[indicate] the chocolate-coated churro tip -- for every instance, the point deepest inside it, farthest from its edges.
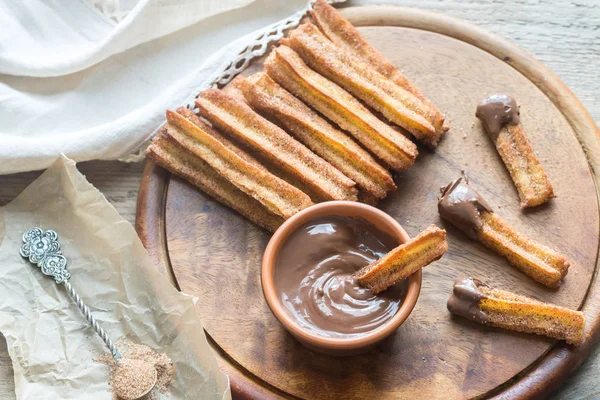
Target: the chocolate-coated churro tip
(496, 111)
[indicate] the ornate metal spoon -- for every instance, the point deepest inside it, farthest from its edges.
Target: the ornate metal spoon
(43, 249)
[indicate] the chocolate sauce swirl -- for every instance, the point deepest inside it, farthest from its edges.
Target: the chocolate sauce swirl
(313, 277)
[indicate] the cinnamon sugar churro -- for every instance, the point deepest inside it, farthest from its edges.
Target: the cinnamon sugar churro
(270, 99)
(180, 162)
(232, 115)
(341, 32)
(477, 302)
(277, 195)
(288, 70)
(499, 115)
(395, 103)
(464, 208)
(404, 260)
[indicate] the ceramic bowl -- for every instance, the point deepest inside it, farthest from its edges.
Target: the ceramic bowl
(328, 345)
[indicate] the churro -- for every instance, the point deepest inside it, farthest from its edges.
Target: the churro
(194, 119)
(180, 162)
(464, 208)
(235, 117)
(341, 32)
(396, 104)
(288, 70)
(499, 115)
(277, 195)
(404, 260)
(270, 99)
(477, 302)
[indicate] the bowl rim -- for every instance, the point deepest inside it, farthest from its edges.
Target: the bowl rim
(292, 224)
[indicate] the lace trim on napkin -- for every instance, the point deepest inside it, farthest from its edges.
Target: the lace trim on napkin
(254, 49)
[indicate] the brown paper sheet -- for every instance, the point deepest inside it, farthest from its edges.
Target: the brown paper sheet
(50, 343)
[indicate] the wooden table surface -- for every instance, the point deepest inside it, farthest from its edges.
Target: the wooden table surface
(563, 34)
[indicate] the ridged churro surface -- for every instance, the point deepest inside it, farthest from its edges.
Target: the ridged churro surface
(270, 99)
(288, 70)
(277, 195)
(341, 32)
(463, 207)
(478, 302)
(231, 115)
(499, 115)
(178, 161)
(404, 260)
(396, 104)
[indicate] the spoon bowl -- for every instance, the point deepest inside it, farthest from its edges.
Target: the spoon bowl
(124, 391)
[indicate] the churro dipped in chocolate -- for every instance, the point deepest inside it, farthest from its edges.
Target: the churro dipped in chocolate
(287, 69)
(199, 173)
(232, 115)
(404, 260)
(499, 115)
(341, 32)
(477, 302)
(393, 102)
(276, 103)
(464, 208)
(274, 193)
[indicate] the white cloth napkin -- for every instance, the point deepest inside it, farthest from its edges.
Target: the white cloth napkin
(76, 81)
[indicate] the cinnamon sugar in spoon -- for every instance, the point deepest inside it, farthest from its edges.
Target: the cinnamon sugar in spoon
(134, 378)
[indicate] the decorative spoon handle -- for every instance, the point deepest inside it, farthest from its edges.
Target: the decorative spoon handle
(43, 249)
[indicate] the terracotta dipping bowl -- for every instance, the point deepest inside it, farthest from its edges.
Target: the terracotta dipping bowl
(328, 345)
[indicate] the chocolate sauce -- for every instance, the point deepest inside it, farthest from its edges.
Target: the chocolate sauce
(461, 205)
(497, 111)
(313, 277)
(465, 299)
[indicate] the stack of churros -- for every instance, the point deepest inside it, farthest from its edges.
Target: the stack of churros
(266, 96)
(394, 102)
(269, 142)
(193, 150)
(341, 32)
(287, 68)
(297, 133)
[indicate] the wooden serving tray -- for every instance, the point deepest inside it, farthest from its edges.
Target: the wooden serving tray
(213, 253)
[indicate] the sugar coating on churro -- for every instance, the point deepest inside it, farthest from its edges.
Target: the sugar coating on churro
(478, 302)
(404, 260)
(239, 121)
(287, 69)
(395, 103)
(266, 96)
(464, 208)
(274, 193)
(341, 32)
(499, 115)
(180, 162)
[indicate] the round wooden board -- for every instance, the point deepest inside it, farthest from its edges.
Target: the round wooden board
(213, 253)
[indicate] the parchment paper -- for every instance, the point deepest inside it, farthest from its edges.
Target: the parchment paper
(50, 343)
